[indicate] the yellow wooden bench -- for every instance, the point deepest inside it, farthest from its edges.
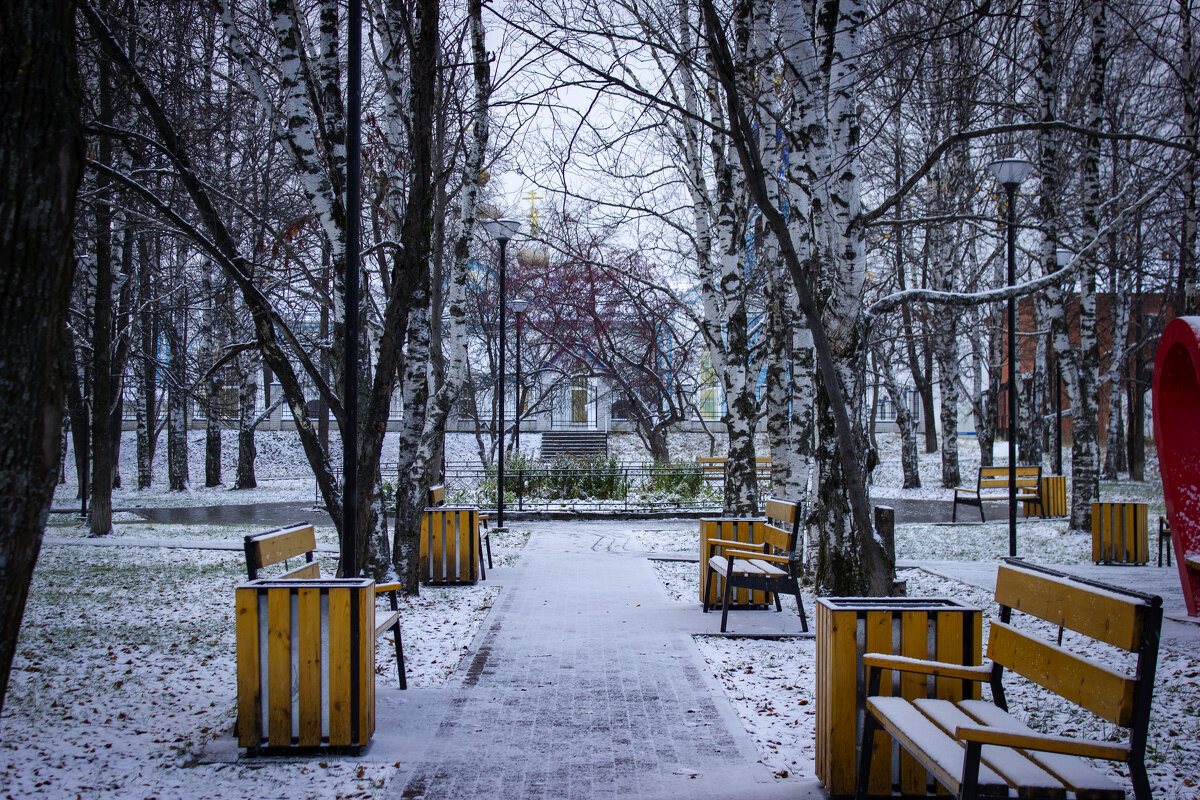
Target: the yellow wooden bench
(713, 467)
(992, 484)
(976, 748)
(771, 565)
(300, 541)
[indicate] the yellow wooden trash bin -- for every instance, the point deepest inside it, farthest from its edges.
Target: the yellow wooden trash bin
(932, 628)
(305, 663)
(1120, 534)
(449, 552)
(1054, 498)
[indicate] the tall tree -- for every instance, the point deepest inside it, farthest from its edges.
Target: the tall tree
(41, 156)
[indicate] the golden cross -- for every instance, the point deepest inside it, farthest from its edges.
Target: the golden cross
(533, 212)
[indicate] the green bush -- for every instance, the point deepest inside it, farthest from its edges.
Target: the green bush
(682, 478)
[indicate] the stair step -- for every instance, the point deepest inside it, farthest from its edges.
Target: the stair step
(576, 444)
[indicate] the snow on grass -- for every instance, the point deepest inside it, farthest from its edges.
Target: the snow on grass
(125, 670)
(770, 685)
(1044, 541)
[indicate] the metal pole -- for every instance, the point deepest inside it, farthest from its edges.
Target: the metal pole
(500, 410)
(1058, 469)
(1011, 188)
(517, 412)
(349, 543)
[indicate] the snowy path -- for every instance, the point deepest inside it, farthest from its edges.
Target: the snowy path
(584, 685)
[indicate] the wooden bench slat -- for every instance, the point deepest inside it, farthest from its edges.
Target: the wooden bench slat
(937, 751)
(384, 620)
(275, 546)
(305, 571)
(1086, 781)
(1010, 764)
(1107, 616)
(1092, 686)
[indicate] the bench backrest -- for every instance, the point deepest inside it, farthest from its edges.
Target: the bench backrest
(782, 527)
(1124, 620)
(997, 477)
(437, 495)
(281, 544)
(713, 467)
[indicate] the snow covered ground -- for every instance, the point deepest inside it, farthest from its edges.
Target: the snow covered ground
(122, 673)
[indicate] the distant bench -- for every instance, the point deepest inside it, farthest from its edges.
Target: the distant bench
(992, 484)
(713, 468)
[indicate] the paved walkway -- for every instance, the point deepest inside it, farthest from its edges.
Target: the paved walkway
(585, 684)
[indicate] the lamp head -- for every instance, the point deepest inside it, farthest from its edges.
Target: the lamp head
(518, 306)
(1063, 256)
(502, 229)
(1010, 172)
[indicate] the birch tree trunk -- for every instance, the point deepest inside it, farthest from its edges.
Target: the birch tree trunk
(146, 366)
(910, 461)
(100, 505)
(1085, 444)
(177, 443)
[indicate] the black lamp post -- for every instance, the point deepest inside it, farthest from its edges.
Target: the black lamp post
(1010, 172)
(349, 542)
(501, 230)
(518, 307)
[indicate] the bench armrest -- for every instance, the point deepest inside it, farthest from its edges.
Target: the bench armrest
(713, 544)
(380, 588)
(760, 556)
(731, 554)
(938, 669)
(1042, 742)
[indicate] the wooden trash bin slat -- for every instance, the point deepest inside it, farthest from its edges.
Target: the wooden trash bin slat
(305, 663)
(932, 628)
(736, 529)
(1054, 498)
(1120, 534)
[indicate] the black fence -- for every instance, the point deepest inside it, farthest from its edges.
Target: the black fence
(640, 487)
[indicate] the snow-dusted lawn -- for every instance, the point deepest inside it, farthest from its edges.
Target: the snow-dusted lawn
(125, 664)
(125, 669)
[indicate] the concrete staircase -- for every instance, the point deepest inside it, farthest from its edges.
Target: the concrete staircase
(573, 444)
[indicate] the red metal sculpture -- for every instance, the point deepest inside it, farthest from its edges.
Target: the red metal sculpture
(1176, 398)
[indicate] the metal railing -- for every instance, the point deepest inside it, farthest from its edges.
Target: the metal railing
(552, 487)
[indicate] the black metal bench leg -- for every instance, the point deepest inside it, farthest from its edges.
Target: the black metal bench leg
(1141, 782)
(866, 747)
(707, 588)
(725, 600)
(800, 605)
(778, 605)
(970, 776)
(487, 539)
(400, 657)
(395, 604)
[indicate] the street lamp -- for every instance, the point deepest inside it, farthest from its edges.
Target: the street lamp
(1062, 257)
(501, 230)
(350, 328)
(1009, 173)
(518, 307)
